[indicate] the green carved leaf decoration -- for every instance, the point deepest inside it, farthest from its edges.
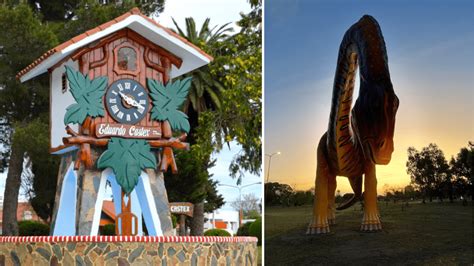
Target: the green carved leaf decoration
(74, 114)
(178, 120)
(88, 95)
(167, 99)
(127, 158)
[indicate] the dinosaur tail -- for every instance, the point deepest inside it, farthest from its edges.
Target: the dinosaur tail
(356, 184)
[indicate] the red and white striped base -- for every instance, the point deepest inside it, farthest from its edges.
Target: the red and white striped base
(157, 239)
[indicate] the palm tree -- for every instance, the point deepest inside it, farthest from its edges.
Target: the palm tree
(205, 91)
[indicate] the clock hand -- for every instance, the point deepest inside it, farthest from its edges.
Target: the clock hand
(136, 104)
(131, 101)
(126, 98)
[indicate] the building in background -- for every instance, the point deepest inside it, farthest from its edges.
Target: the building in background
(221, 219)
(24, 212)
(108, 214)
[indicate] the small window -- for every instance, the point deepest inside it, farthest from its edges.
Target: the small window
(27, 215)
(64, 83)
(127, 59)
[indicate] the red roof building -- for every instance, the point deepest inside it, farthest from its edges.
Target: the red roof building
(24, 212)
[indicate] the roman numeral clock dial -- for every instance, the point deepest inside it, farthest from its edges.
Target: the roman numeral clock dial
(127, 101)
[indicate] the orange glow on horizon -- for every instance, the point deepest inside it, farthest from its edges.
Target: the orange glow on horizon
(420, 121)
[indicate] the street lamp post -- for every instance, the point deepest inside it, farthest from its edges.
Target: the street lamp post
(240, 197)
(270, 162)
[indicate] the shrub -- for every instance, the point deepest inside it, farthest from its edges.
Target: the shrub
(33, 228)
(216, 232)
(244, 229)
(108, 230)
(253, 214)
(256, 230)
(174, 220)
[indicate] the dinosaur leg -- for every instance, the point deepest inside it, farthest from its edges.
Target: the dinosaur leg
(332, 184)
(371, 220)
(319, 223)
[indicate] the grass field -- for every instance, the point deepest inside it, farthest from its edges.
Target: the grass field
(421, 234)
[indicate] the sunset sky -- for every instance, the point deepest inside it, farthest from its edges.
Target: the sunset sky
(431, 60)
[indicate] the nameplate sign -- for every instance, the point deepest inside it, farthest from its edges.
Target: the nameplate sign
(185, 208)
(103, 130)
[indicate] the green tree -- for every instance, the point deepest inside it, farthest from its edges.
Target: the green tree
(206, 90)
(462, 168)
(214, 200)
(192, 182)
(204, 96)
(42, 184)
(255, 230)
(300, 198)
(240, 71)
(88, 16)
(277, 194)
(409, 192)
(230, 87)
(428, 169)
(5, 137)
(23, 39)
(55, 10)
(66, 10)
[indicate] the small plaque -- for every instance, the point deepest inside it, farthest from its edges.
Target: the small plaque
(103, 130)
(185, 208)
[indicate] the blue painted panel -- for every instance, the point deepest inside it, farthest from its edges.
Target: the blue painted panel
(137, 210)
(117, 196)
(147, 204)
(66, 217)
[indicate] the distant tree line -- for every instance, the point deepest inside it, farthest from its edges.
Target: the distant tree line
(283, 195)
(402, 194)
(434, 177)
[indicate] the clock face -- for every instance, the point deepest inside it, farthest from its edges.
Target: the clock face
(127, 101)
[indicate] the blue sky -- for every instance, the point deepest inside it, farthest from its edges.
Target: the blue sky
(431, 60)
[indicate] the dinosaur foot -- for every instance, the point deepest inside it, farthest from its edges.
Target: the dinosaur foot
(332, 221)
(318, 225)
(371, 227)
(371, 223)
(313, 230)
(321, 226)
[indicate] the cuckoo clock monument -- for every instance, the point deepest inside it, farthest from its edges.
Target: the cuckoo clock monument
(116, 91)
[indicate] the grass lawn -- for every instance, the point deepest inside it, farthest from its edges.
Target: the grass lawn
(428, 234)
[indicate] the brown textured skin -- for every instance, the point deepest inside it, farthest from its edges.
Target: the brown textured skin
(359, 138)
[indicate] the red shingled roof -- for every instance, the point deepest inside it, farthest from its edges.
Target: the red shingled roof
(109, 208)
(134, 11)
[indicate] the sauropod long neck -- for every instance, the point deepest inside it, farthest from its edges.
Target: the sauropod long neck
(362, 47)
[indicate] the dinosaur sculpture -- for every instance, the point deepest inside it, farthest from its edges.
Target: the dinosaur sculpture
(359, 138)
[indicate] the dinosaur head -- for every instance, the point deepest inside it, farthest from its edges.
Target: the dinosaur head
(373, 119)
